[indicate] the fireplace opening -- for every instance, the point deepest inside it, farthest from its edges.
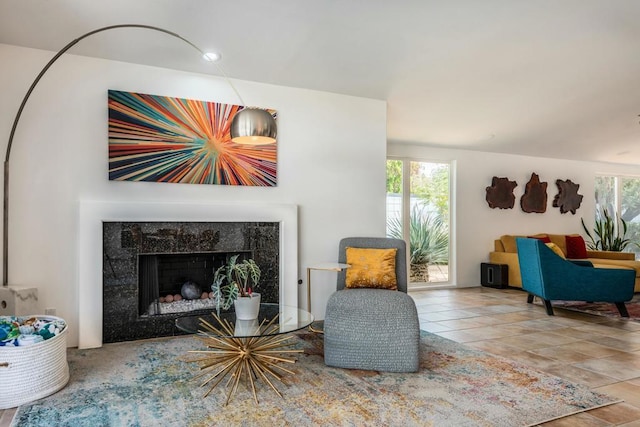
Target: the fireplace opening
(179, 282)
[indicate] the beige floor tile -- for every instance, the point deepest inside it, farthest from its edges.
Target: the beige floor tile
(578, 420)
(579, 375)
(517, 329)
(602, 329)
(472, 322)
(497, 309)
(432, 327)
(596, 350)
(489, 332)
(534, 360)
(539, 340)
(493, 347)
(6, 416)
(462, 336)
(431, 308)
(623, 390)
(571, 322)
(454, 314)
(433, 316)
(617, 414)
(576, 333)
(618, 342)
(564, 353)
(583, 317)
(520, 316)
(542, 324)
(612, 367)
(627, 325)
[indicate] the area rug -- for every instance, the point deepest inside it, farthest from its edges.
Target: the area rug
(144, 383)
(602, 308)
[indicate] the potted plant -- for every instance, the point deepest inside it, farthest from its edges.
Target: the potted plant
(609, 234)
(233, 283)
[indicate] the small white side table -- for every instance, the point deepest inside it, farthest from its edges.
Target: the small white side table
(326, 266)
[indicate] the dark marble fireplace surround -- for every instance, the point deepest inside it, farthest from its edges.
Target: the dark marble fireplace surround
(124, 242)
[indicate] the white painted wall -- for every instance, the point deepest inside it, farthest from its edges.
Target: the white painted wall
(477, 225)
(331, 157)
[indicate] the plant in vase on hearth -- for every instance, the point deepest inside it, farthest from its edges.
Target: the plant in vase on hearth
(235, 280)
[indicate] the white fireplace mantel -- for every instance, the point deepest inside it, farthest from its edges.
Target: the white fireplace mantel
(94, 213)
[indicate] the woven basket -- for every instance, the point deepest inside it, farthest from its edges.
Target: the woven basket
(32, 372)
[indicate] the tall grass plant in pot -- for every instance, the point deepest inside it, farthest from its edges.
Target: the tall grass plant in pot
(608, 233)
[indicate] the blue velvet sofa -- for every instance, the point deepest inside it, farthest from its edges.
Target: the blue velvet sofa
(551, 277)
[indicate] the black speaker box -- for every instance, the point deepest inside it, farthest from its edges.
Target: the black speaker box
(494, 275)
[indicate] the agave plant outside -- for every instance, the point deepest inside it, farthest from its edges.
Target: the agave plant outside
(428, 237)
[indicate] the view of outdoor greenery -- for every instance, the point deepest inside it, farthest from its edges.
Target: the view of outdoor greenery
(428, 219)
(619, 196)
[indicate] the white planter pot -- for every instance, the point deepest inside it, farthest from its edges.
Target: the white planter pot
(247, 308)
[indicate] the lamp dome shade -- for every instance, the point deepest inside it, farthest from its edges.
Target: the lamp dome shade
(253, 126)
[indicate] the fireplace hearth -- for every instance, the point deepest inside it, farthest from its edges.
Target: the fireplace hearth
(146, 264)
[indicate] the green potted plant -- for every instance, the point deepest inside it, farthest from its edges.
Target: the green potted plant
(609, 233)
(234, 283)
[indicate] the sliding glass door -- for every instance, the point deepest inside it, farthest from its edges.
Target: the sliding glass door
(418, 203)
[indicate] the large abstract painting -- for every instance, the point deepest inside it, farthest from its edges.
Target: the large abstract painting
(163, 139)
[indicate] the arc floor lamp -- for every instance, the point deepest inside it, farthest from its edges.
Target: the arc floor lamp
(252, 126)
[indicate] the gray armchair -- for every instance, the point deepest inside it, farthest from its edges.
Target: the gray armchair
(373, 329)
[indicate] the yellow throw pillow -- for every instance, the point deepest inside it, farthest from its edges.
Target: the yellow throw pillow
(555, 248)
(371, 268)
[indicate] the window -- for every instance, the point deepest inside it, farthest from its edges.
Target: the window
(418, 213)
(619, 197)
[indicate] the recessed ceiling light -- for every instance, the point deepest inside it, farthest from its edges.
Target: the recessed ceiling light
(212, 56)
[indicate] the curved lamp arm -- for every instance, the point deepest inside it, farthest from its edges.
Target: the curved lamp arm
(5, 224)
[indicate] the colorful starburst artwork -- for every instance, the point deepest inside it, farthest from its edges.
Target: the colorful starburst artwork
(162, 139)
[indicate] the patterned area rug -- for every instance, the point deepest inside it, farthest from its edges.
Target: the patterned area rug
(143, 383)
(602, 308)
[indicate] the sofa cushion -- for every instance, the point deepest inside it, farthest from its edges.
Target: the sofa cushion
(612, 263)
(543, 237)
(509, 243)
(556, 249)
(371, 268)
(558, 239)
(576, 248)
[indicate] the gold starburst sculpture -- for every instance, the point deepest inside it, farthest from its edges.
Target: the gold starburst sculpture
(252, 358)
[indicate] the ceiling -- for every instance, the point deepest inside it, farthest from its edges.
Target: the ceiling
(549, 78)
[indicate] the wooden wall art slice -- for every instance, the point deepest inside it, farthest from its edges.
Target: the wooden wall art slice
(500, 193)
(534, 198)
(567, 199)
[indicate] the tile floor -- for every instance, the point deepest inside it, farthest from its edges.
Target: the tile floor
(601, 353)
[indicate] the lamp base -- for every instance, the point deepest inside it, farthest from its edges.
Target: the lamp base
(18, 301)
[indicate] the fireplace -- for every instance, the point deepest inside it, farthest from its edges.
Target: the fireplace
(154, 272)
(93, 264)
